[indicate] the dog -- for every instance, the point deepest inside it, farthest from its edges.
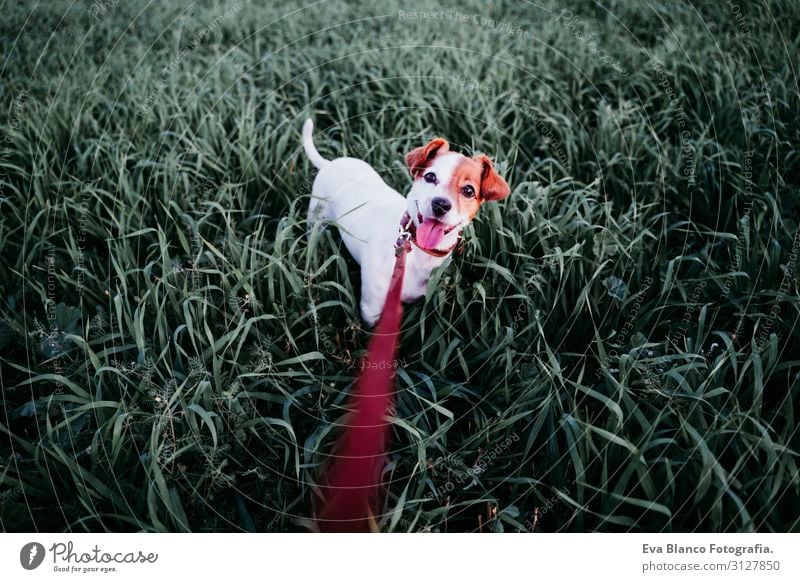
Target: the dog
(447, 191)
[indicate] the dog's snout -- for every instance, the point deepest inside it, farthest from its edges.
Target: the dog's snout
(440, 206)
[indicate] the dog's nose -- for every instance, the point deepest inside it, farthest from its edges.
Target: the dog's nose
(440, 206)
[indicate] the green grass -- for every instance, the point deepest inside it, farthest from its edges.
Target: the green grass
(616, 348)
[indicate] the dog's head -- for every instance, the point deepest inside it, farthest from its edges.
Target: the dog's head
(448, 190)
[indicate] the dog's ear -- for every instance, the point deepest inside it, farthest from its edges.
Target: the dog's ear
(419, 158)
(493, 187)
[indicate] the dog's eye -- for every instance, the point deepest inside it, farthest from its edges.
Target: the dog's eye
(430, 178)
(468, 192)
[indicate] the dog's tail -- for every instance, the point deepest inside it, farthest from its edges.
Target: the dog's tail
(308, 145)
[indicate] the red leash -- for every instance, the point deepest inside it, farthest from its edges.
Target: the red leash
(352, 488)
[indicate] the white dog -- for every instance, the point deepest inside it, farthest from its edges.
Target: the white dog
(447, 191)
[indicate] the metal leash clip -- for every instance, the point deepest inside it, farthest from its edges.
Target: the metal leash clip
(402, 243)
(403, 237)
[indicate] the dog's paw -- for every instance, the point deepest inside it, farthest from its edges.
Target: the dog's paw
(369, 321)
(370, 315)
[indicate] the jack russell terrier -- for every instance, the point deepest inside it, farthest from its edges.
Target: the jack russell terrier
(447, 191)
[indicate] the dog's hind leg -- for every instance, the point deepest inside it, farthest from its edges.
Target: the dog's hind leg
(317, 208)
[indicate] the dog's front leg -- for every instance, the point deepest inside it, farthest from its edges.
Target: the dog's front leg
(374, 287)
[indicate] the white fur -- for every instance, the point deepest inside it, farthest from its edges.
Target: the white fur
(368, 212)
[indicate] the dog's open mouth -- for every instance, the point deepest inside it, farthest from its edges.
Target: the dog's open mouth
(430, 232)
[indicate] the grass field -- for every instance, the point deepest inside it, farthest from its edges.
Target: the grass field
(616, 349)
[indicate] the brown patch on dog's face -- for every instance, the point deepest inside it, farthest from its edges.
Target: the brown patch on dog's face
(465, 187)
(475, 181)
(420, 158)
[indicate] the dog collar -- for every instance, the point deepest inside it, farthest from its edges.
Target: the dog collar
(407, 225)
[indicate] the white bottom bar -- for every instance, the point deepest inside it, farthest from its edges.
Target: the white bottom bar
(387, 557)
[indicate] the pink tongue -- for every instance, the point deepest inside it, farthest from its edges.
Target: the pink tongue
(430, 233)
